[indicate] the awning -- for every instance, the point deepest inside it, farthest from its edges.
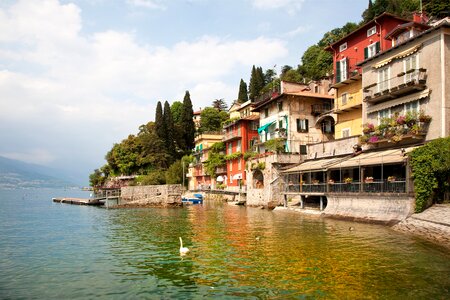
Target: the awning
(402, 54)
(375, 158)
(219, 179)
(313, 165)
(237, 176)
(264, 127)
(398, 101)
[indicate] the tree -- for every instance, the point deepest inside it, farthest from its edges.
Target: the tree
(159, 121)
(292, 75)
(256, 83)
(316, 63)
(169, 137)
(187, 123)
(284, 70)
(211, 119)
(176, 109)
(401, 8)
(174, 173)
(219, 104)
(243, 93)
(437, 8)
(97, 178)
(269, 76)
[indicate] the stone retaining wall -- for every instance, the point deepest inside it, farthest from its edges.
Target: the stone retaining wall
(377, 208)
(151, 195)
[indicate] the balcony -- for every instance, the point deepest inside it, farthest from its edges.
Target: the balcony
(318, 109)
(351, 76)
(230, 136)
(278, 134)
(401, 85)
(377, 186)
(221, 170)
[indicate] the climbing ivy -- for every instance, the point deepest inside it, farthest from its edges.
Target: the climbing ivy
(431, 172)
(275, 145)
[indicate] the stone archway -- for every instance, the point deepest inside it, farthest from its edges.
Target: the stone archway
(258, 179)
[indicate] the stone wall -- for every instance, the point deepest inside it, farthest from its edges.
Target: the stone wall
(378, 208)
(151, 195)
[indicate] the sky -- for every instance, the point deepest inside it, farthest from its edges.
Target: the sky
(78, 76)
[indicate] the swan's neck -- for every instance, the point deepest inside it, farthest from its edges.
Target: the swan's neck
(181, 242)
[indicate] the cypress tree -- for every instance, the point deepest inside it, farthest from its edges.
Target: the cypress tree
(160, 126)
(187, 122)
(169, 138)
(252, 85)
(260, 82)
(243, 94)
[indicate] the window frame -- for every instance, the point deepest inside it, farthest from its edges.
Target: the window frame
(371, 31)
(302, 123)
(343, 47)
(372, 50)
(343, 69)
(348, 130)
(342, 99)
(383, 73)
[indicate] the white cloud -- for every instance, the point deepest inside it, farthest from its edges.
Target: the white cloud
(297, 31)
(291, 6)
(151, 4)
(71, 87)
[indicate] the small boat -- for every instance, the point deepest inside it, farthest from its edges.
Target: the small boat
(195, 199)
(191, 200)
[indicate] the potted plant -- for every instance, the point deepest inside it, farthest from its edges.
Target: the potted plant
(368, 128)
(401, 120)
(330, 181)
(424, 117)
(348, 180)
(315, 181)
(391, 179)
(368, 179)
(373, 139)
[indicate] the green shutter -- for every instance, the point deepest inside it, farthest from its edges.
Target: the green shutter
(377, 47)
(306, 125)
(366, 53)
(338, 72)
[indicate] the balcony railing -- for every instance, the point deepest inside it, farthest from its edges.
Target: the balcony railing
(228, 136)
(400, 85)
(350, 75)
(318, 109)
(277, 134)
(376, 186)
(221, 170)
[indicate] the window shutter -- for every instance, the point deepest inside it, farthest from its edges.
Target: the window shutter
(306, 125)
(366, 53)
(298, 125)
(377, 47)
(303, 150)
(338, 71)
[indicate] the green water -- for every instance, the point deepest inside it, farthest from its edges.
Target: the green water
(57, 251)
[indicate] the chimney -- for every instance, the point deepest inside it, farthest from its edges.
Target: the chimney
(420, 17)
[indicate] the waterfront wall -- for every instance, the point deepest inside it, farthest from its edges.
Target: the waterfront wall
(151, 195)
(389, 209)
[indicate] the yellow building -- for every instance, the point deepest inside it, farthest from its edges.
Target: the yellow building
(348, 107)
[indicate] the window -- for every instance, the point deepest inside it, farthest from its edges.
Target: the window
(230, 163)
(230, 148)
(327, 126)
(238, 147)
(280, 106)
(344, 98)
(280, 124)
(382, 114)
(316, 89)
(371, 31)
(266, 112)
(302, 125)
(345, 132)
(239, 130)
(254, 125)
(343, 70)
(383, 79)
(342, 47)
(303, 150)
(371, 50)
(412, 106)
(410, 65)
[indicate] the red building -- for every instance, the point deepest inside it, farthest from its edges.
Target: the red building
(240, 134)
(366, 41)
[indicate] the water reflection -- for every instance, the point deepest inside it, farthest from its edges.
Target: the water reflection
(251, 252)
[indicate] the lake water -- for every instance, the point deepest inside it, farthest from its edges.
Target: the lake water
(57, 251)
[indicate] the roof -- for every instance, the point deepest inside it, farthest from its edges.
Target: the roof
(391, 156)
(251, 118)
(403, 27)
(260, 104)
(368, 24)
(314, 165)
(444, 23)
(198, 112)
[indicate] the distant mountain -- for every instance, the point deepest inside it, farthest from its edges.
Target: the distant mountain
(17, 174)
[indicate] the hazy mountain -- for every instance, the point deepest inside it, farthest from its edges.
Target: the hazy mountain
(17, 174)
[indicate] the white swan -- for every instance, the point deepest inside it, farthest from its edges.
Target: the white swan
(183, 250)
